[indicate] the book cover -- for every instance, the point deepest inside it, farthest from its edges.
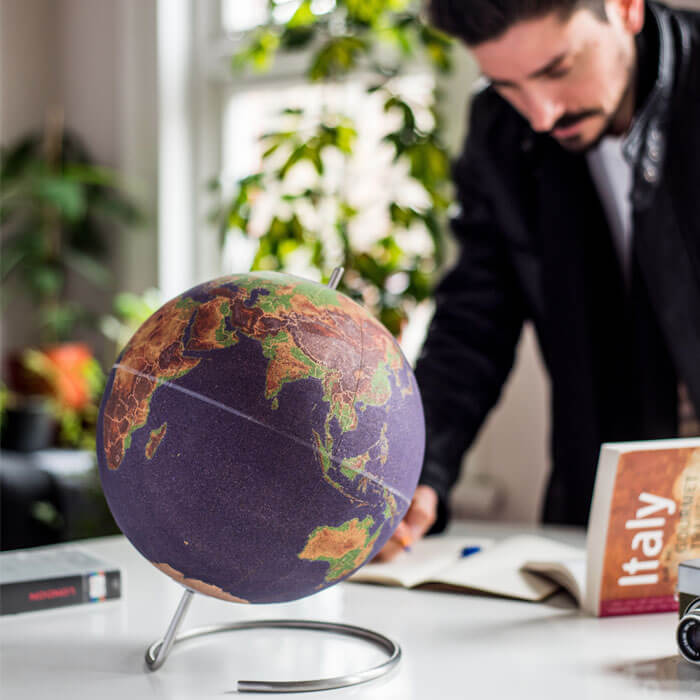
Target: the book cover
(645, 520)
(39, 579)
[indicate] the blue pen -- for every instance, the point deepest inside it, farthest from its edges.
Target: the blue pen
(468, 551)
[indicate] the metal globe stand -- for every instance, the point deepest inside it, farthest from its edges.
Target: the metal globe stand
(158, 652)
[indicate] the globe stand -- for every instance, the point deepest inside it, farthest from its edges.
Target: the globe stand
(158, 652)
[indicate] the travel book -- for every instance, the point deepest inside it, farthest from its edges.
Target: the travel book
(37, 579)
(645, 519)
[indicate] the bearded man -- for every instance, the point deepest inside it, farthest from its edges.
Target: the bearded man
(579, 211)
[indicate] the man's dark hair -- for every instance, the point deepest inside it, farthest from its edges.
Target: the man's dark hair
(476, 21)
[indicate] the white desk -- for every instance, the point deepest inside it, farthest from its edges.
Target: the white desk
(454, 646)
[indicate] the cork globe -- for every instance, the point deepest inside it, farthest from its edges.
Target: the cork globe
(260, 438)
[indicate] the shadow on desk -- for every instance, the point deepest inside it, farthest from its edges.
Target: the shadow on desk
(668, 674)
(73, 658)
(560, 599)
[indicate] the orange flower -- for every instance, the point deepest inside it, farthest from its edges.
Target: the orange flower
(71, 364)
(66, 369)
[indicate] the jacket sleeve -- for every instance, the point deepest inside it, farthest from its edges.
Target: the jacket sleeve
(471, 340)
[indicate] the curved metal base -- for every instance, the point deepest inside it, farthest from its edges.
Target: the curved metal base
(157, 653)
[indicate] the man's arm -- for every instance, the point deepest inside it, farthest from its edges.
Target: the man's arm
(468, 351)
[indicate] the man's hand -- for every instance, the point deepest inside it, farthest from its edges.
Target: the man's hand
(420, 516)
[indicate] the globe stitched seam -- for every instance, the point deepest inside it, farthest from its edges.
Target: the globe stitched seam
(229, 409)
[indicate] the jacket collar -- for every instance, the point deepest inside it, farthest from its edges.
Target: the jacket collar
(645, 144)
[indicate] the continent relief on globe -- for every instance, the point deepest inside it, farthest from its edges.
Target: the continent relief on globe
(158, 352)
(305, 331)
(344, 548)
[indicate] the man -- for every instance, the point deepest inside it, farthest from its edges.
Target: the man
(579, 190)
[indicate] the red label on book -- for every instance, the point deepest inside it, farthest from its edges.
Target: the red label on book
(49, 593)
(638, 606)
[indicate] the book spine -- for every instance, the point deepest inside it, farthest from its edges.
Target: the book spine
(42, 594)
(638, 606)
(598, 526)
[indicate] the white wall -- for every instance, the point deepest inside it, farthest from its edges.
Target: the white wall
(28, 67)
(28, 58)
(79, 55)
(89, 34)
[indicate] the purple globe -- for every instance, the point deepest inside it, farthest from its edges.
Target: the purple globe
(260, 438)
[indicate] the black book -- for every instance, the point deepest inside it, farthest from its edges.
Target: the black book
(42, 578)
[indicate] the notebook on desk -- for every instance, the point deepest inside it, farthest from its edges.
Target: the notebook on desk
(496, 568)
(645, 520)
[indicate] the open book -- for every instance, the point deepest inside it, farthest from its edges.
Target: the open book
(526, 567)
(645, 521)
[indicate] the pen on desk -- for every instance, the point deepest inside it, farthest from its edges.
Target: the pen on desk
(468, 551)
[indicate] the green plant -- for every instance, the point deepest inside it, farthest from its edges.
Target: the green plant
(72, 382)
(56, 209)
(376, 40)
(128, 313)
(5, 402)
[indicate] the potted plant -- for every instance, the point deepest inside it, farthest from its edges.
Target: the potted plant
(56, 208)
(61, 386)
(318, 221)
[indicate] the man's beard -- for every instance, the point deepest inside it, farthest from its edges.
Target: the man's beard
(576, 143)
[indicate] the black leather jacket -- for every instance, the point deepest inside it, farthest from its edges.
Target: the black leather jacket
(535, 245)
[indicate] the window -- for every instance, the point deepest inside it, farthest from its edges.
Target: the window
(369, 181)
(237, 16)
(211, 121)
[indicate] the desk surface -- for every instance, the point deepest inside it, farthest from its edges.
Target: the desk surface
(454, 645)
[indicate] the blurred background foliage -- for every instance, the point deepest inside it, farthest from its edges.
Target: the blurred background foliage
(377, 42)
(58, 211)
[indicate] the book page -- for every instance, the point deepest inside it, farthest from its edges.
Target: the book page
(425, 560)
(499, 569)
(570, 573)
(496, 569)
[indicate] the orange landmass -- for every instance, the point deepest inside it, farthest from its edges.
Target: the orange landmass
(154, 440)
(196, 585)
(342, 344)
(283, 368)
(334, 543)
(342, 341)
(206, 324)
(391, 505)
(154, 355)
